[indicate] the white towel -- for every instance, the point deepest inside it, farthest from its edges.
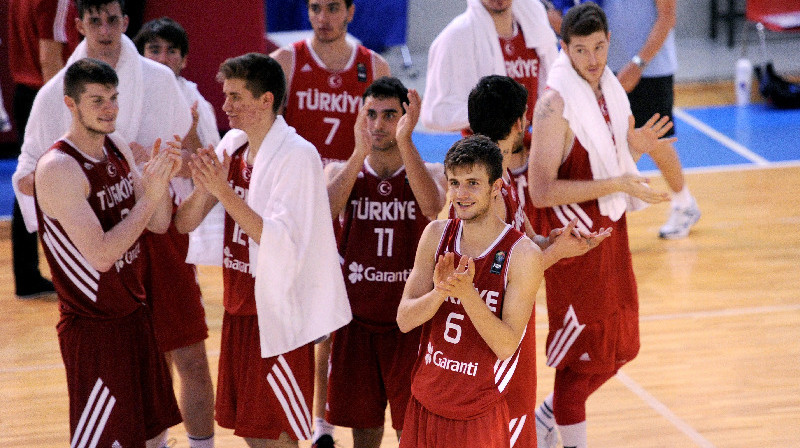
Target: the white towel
(151, 106)
(300, 292)
(609, 157)
(469, 49)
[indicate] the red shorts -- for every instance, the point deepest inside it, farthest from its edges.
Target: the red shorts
(523, 430)
(262, 397)
(119, 386)
(172, 291)
(424, 429)
(366, 370)
(521, 396)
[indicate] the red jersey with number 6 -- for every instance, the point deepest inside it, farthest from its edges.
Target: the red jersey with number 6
(322, 105)
(457, 375)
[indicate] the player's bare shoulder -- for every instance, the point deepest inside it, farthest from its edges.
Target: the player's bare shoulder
(285, 57)
(58, 177)
(432, 234)
(550, 106)
(527, 255)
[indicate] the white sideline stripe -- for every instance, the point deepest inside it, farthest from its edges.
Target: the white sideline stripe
(540, 309)
(662, 409)
(721, 138)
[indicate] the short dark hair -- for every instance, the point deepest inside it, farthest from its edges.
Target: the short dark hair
(87, 71)
(165, 28)
(347, 3)
(387, 87)
(84, 6)
(583, 20)
(260, 73)
(475, 150)
(495, 104)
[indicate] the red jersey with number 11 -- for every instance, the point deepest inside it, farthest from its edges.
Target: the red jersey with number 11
(322, 105)
(457, 375)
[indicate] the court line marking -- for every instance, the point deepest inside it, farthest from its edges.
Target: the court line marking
(662, 409)
(720, 138)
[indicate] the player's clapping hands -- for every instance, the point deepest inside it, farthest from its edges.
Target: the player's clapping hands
(406, 124)
(163, 165)
(208, 173)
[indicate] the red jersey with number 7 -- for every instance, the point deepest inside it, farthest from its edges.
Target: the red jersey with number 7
(457, 375)
(322, 105)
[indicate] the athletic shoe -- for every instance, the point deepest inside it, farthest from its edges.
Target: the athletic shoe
(679, 222)
(324, 441)
(36, 288)
(545, 437)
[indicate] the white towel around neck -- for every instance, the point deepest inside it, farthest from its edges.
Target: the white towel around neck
(609, 157)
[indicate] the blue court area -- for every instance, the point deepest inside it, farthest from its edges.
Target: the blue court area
(716, 136)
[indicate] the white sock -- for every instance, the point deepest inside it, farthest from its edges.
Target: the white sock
(544, 413)
(158, 441)
(683, 198)
(573, 435)
(321, 427)
(200, 442)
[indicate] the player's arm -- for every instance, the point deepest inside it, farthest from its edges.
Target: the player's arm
(420, 299)
(525, 271)
(285, 58)
(62, 189)
(212, 175)
(550, 143)
(380, 66)
(631, 73)
(427, 189)
(342, 177)
(50, 57)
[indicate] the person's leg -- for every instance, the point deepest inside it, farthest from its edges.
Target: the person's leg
(197, 393)
(570, 392)
(322, 353)
(284, 441)
(367, 437)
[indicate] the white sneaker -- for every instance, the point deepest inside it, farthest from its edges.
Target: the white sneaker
(545, 437)
(679, 222)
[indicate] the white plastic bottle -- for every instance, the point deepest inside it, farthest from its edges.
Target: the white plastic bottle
(743, 81)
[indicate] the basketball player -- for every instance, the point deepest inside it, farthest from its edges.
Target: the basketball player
(283, 288)
(497, 108)
(92, 206)
(385, 195)
(583, 162)
(326, 77)
(472, 290)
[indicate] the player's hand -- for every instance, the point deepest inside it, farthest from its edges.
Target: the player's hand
(363, 139)
(140, 153)
(407, 123)
(209, 173)
(649, 137)
(459, 283)
(444, 268)
(160, 169)
(638, 187)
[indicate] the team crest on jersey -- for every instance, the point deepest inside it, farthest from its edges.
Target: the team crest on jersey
(508, 47)
(361, 72)
(497, 264)
(335, 81)
(385, 188)
(247, 171)
(111, 169)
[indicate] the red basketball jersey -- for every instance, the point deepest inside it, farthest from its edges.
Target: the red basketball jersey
(594, 321)
(522, 65)
(457, 375)
(519, 181)
(322, 105)
(237, 273)
(381, 226)
(83, 290)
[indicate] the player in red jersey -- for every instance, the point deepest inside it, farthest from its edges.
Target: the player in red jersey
(326, 77)
(472, 289)
(269, 181)
(92, 206)
(582, 164)
(497, 108)
(384, 195)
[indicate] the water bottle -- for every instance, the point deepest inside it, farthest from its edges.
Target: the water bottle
(743, 81)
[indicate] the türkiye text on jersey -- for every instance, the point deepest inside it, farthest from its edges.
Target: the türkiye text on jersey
(313, 99)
